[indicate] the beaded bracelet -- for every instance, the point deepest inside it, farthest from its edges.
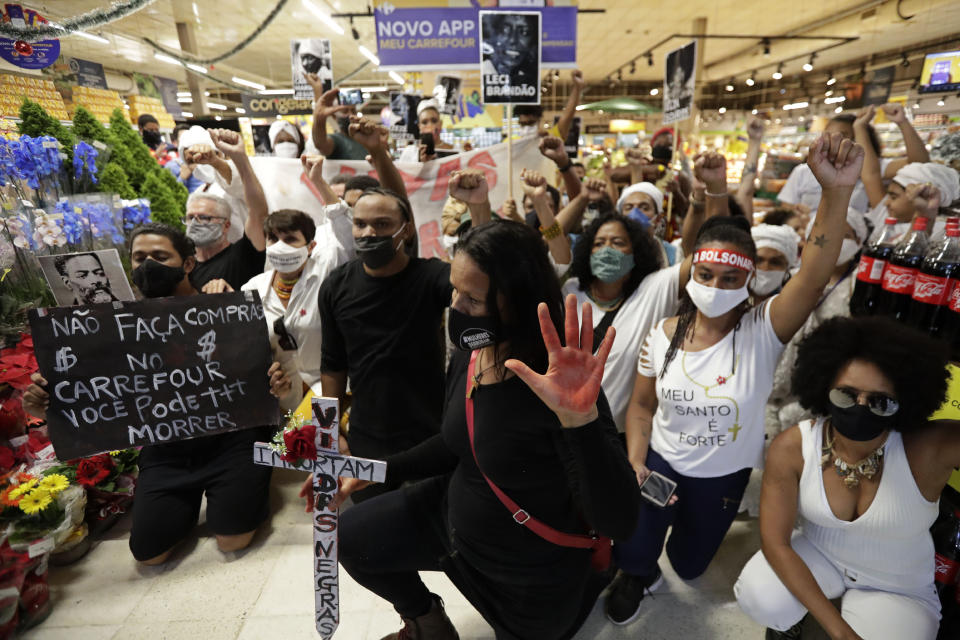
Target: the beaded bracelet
(551, 232)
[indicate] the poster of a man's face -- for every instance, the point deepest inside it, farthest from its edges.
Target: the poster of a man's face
(306, 57)
(446, 93)
(679, 82)
(510, 57)
(90, 277)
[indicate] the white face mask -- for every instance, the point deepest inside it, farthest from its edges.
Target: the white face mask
(286, 150)
(764, 283)
(713, 302)
(204, 173)
(285, 258)
(848, 249)
(528, 130)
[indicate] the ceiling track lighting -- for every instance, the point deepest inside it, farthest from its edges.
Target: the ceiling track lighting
(808, 66)
(831, 80)
(353, 30)
(633, 67)
(752, 80)
(649, 59)
(779, 72)
(766, 46)
(730, 85)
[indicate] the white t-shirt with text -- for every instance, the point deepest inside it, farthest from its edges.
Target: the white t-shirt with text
(710, 413)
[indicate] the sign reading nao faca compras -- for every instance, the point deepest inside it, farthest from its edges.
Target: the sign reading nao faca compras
(141, 373)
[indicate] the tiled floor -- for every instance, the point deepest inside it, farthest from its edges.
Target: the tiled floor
(264, 592)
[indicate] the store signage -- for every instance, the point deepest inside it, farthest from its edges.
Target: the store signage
(27, 55)
(272, 106)
(877, 90)
(89, 74)
(417, 38)
(167, 88)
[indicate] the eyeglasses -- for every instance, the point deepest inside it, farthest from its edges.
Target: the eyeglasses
(880, 404)
(284, 340)
(201, 219)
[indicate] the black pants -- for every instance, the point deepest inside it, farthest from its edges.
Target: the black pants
(387, 540)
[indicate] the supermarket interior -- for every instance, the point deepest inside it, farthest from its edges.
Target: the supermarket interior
(243, 139)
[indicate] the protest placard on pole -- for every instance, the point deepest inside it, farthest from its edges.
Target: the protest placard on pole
(510, 57)
(679, 83)
(131, 374)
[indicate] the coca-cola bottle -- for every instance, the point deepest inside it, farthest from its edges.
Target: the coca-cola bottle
(933, 286)
(866, 292)
(946, 544)
(901, 272)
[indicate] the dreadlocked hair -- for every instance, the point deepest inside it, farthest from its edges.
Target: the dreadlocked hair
(717, 230)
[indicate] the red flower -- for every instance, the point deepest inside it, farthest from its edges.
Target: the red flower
(6, 459)
(12, 417)
(300, 443)
(92, 471)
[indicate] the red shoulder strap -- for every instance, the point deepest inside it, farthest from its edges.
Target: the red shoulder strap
(545, 531)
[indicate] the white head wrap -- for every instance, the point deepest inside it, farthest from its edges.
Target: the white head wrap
(312, 46)
(430, 103)
(778, 237)
(642, 187)
(194, 135)
(282, 125)
(945, 179)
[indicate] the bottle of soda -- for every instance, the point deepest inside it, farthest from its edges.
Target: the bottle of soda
(933, 286)
(946, 544)
(866, 292)
(901, 272)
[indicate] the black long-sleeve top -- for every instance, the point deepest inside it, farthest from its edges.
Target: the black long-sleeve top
(575, 480)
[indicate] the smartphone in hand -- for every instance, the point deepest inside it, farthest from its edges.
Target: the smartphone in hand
(428, 141)
(658, 489)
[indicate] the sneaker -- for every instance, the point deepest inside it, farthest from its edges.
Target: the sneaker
(433, 625)
(623, 602)
(793, 633)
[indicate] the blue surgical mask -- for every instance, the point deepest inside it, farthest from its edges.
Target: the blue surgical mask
(609, 264)
(640, 217)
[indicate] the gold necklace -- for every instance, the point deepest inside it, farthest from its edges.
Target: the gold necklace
(851, 473)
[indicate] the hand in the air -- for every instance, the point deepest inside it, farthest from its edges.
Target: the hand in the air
(835, 161)
(635, 157)
(576, 76)
(509, 209)
(218, 285)
(325, 107)
(755, 128)
(470, 186)
(552, 148)
(313, 167)
(895, 112)
(594, 189)
(229, 142)
(36, 400)
(200, 154)
(925, 198)
(279, 382)
(367, 132)
(534, 184)
(571, 383)
(865, 116)
(710, 168)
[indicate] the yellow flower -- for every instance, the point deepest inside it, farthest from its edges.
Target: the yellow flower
(54, 483)
(36, 500)
(22, 489)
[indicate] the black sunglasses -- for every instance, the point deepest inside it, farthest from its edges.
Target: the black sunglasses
(284, 339)
(880, 404)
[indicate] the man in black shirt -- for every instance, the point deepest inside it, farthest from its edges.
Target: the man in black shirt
(208, 220)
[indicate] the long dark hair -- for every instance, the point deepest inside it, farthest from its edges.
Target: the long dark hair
(647, 257)
(725, 229)
(514, 258)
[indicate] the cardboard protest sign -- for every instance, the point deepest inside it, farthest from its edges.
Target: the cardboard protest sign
(510, 57)
(679, 83)
(88, 277)
(310, 56)
(129, 374)
(328, 466)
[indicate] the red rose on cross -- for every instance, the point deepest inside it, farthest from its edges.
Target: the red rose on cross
(300, 443)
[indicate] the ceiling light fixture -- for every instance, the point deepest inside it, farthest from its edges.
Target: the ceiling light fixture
(196, 67)
(752, 79)
(217, 118)
(249, 83)
(369, 55)
(633, 67)
(832, 81)
(217, 106)
(184, 100)
(353, 30)
(186, 114)
(373, 89)
(396, 77)
(778, 73)
(184, 94)
(754, 112)
(838, 110)
(766, 46)
(722, 110)
(323, 16)
(654, 91)
(240, 110)
(808, 65)
(90, 36)
(796, 105)
(916, 105)
(276, 92)
(165, 58)
(730, 86)
(835, 99)
(904, 60)
(649, 59)
(940, 102)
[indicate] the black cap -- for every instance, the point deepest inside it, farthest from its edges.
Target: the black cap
(145, 119)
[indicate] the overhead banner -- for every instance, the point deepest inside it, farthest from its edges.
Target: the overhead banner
(679, 82)
(417, 35)
(427, 183)
(88, 74)
(132, 374)
(38, 54)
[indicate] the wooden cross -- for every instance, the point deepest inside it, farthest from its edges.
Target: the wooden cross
(327, 468)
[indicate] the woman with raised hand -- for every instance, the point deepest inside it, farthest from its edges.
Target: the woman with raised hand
(696, 415)
(525, 424)
(863, 478)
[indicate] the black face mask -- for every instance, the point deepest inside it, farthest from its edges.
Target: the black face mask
(662, 153)
(151, 138)
(157, 280)
(470, 332)
(377, 251)
(859, 423)
(344, 124)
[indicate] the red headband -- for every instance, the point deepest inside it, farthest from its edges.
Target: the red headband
(723, 257)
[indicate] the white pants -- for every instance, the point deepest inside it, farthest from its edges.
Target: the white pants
(873, 614)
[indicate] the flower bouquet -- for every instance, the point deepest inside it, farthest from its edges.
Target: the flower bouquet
(296, 443)
(41, 512)
(110, 480)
